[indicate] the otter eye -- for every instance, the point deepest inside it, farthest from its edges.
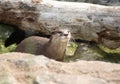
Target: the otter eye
(59, 32)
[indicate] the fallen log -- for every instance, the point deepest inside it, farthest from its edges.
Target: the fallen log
(101, 2)
(85, 21)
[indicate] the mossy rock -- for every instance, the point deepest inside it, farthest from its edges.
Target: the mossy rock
(5, 31)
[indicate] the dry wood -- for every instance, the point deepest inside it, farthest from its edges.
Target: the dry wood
(85, 21)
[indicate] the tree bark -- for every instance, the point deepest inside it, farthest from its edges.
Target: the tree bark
(101, 2)
(85, 21)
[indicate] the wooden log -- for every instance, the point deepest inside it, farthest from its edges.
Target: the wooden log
(85, 21)
(101, 2)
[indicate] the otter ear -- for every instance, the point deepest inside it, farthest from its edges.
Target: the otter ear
(56, 29)
(53, 31)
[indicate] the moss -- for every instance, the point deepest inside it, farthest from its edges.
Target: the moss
(110, 55)
(107, 50)
(93, 52)
(5, 31)
(71, 47)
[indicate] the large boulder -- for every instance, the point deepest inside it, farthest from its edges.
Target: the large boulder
(20, 68)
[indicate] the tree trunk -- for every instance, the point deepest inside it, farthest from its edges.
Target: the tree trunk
(85, 21)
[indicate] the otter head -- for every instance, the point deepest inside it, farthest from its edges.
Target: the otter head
(60, 35)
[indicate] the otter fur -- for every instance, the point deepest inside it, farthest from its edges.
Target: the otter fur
(54, 47)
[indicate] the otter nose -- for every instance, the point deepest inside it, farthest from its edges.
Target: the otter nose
(65, 34)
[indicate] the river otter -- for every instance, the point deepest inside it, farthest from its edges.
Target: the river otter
(53, 48)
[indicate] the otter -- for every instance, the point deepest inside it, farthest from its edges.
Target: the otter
(54, 47)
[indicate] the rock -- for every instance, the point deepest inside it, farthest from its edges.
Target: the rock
(87, 51)
(7, 79)
(68, 79)
(101, 2)
(90, 51)
(20, 68)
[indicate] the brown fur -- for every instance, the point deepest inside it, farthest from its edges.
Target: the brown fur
(53, 48)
